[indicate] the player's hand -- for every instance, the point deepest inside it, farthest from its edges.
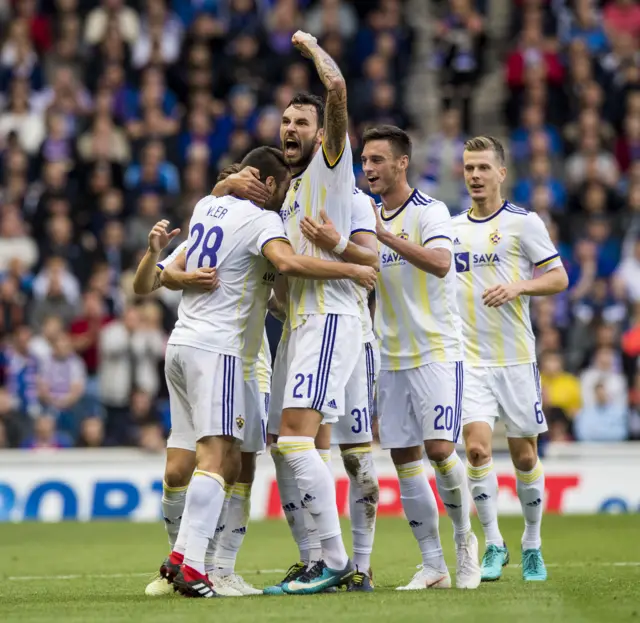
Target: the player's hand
(498, 295)
(365, 276)
(159, 238)
(304, 42)
(380, 230)
(204, 278)
(323, 235)
(247, 185)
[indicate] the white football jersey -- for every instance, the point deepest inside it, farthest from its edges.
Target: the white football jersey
(506, 247)
(255, 365)
(229, 234)
(363, 220)
(329, 187)
(417, 320)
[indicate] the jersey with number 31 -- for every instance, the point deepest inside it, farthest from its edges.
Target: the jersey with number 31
(229, 234)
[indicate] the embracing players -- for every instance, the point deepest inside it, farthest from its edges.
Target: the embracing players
(503, 256)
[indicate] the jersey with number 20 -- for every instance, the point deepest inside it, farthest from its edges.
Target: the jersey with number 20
(229, 234)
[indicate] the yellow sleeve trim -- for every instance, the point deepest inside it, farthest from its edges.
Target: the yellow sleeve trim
(333, 165)
(272, 240)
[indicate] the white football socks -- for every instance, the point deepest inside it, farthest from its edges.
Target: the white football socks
(235, 528)
(483, 484)
(212, 548)
(291, 501)
(530, 488)
(318, 495)
(173, 501)
(205, 498)
(452, 486)
(364, 494)
(421, 510)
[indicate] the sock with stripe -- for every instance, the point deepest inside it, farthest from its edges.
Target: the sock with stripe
(291, 501)
(364, 494)
(325, 455)
(212, 548)
(421, 510)
(530, 488)
(235, 528)
(318, 494)
(483, 484)
(173, 501)
(205, 498)
(451, 480)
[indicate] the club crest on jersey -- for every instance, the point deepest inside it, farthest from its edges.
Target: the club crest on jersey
(404, 235)
(296, 184)
(240, 422)
(495, 237)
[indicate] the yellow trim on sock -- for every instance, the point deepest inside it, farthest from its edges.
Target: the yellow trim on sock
(357, 450)
(447, 466)
(293, 447)
(242, 489)
(325, 455)
(168, 489)
(275, 451)
(216, 477)
(477, 473)
(410, 472)
(529, 477)
(228, 490)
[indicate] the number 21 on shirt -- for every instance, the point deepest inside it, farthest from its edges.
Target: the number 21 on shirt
(210, 241)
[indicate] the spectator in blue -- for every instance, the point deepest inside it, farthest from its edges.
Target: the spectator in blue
(45, 436)
(540, 175)
(587, 26)
(154, 173)
(532, 121)
(20, 373)
(606, 420)
(200, 135)
(598, 230)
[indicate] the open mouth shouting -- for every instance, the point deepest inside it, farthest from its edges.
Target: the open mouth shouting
(291, 147)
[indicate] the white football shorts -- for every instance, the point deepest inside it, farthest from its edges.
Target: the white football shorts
(206, 395)
(511, 393)
(255, 428)
(322, 354)
(420, 404)
(278, 380)
(355, 426)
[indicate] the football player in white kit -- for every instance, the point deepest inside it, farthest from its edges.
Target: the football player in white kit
(498, 249)
(180, 464)
(421, 380)
(203, 360)
(353, 431)
(325, 339)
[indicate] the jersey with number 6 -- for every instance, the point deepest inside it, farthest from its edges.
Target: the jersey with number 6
(230, 235)
(506, 247)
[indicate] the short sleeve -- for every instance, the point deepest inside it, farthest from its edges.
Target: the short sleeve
(363, 220)
(436, 229)
(162, 264)
(269, 227)
(537, 246)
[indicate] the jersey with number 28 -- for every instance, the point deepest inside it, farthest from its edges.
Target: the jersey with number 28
(230, 235)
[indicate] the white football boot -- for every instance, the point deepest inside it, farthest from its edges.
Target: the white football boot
(428, 577)
(468, 573)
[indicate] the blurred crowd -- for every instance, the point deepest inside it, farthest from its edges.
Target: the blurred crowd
(115, 114)
(572, 112)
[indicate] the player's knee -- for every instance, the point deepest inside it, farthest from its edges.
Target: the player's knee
(524, 459)
(477, 453)
(402, 456)
(438, 450)
(247, 468)
(177, 475)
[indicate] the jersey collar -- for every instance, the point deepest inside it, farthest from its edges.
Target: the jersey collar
(488, 218)
(400, 209)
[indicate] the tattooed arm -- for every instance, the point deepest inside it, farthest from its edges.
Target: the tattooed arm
(335, 114)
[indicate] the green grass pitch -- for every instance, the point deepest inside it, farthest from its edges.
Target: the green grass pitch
(594, 576)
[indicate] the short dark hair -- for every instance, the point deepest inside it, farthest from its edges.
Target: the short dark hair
(487, 143)
(236, 167)
(269, 161)
(309, 99)
(399, 139)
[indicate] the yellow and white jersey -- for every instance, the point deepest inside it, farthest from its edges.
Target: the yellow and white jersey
(505, 247)
(230, 234)
(327, 186)
(363, 220)
(259, 366)
(417, 320)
